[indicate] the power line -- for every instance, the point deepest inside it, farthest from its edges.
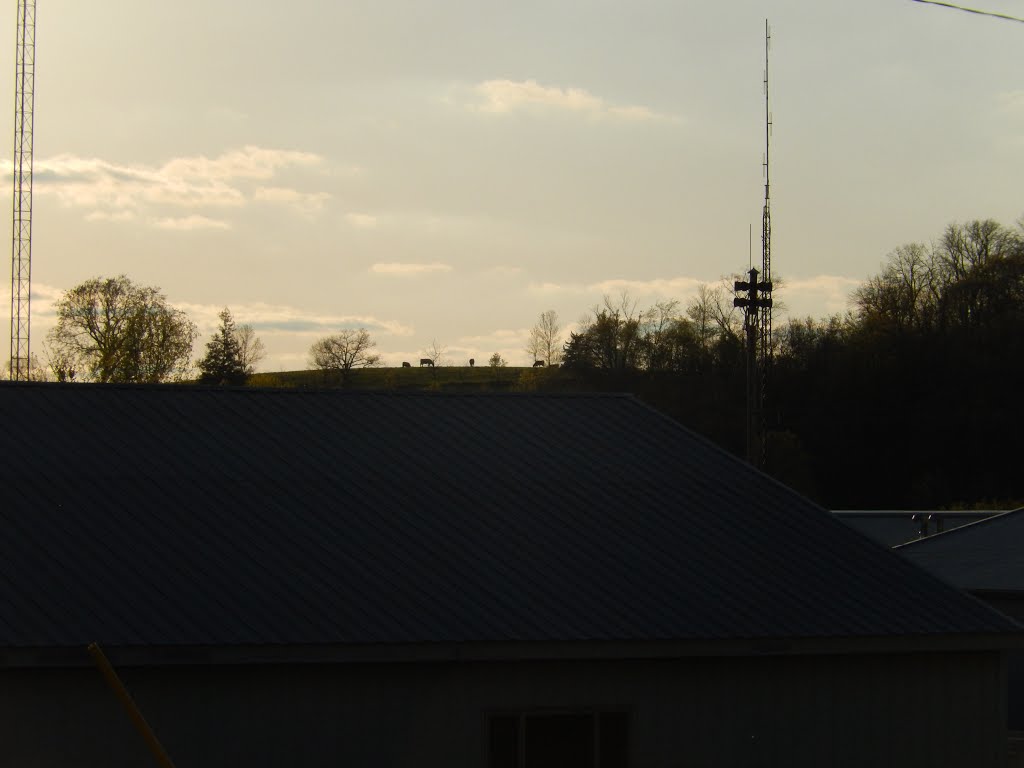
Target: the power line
(971, 10)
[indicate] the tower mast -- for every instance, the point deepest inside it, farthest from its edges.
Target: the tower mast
(756, 300)
(21, 241)
(766, 260)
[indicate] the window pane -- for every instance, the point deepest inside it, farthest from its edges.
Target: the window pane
(614, 740)
(559, 741)
(503, 748)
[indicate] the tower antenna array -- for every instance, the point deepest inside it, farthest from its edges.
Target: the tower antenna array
(765, 360)
(21, 242)
(756, 300)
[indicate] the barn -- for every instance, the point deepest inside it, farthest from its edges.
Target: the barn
(325, 578)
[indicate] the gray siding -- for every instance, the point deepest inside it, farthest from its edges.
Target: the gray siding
(873, 710)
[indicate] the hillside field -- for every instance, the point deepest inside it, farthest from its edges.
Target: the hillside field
(443, 378)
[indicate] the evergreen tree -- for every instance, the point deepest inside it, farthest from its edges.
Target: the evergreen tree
(223, 364)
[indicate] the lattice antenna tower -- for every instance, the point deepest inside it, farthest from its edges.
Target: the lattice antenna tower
(21, 242)
(765, 352)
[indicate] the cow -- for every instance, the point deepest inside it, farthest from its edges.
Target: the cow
(426, 361)
(538, 363)
(406, 365)
(472, 362)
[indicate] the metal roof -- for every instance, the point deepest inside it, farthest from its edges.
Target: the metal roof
(986, 555)
(182, 516)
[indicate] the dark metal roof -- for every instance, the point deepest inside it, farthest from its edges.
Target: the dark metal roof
(986, 555)
(184, 517)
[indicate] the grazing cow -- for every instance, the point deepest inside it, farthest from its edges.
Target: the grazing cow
(472, 362)
(426, 361)
(538, 363)
(406, 365)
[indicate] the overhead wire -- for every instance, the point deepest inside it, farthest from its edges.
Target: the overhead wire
(993, 14)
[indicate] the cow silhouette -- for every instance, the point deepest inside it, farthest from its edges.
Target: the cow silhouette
(426, 361)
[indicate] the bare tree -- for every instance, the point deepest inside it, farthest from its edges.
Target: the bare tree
(435, 352)
(343, 351)
(36, 370)
(545, 342)
(250, 349)
(906, 292)
(702, 311)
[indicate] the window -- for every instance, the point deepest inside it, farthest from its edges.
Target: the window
(558, 739)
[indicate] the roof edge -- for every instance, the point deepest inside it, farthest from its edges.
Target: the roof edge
(225, 655)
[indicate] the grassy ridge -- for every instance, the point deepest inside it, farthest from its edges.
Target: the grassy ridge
(444, 378)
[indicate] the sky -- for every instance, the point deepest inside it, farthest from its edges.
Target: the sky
(444, 171)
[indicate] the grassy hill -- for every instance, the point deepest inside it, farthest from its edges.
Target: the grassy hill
(443, 378)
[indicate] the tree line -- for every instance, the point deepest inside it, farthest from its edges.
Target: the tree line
(908, 397)
(112, 330)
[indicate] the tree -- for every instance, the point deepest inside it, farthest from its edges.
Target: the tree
(344, 351)
(112, 330)
(250, 349)
(545, 342)
(223, 364)
(497, 361)
(906, 293)
(435, 352)
(36, 371)
(611, 339)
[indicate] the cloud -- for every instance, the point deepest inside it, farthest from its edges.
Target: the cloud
(409, 270)
(189, 223)
(284, 320)
(361, 220)
(503, 96)
(110, 216)
(503, 270)
(502, 337)
(118, 192)
(250, 162)
(808, 295)
(802, 295)
(1011, 103)
(673, 287)
(306, 203)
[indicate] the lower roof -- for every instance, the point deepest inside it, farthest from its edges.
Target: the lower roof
(983, 556)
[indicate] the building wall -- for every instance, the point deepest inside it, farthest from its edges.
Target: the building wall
(901, 710)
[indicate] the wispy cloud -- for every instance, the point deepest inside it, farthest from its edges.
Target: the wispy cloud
(284, 320)
(250, 162)
(190, 223)
(502, 337)
(397, 269)
(803, 295)
(361, 220)
(306, 203)
(503, 96)
(672, 287)
(1011, 102)
(111, 191)
(829, 291)
(503, 270)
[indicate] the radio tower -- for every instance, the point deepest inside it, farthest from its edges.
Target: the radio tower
(21, 242)
(757, 310)
(765, 361)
